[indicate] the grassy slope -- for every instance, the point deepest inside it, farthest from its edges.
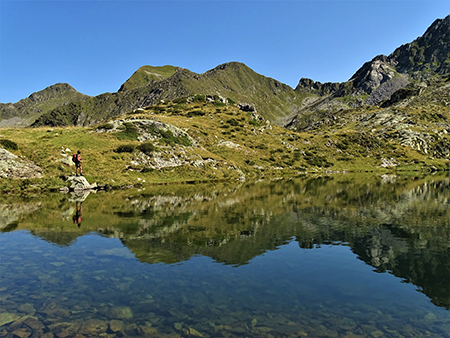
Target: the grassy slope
(421, 108)
(147, 74)
(274, 100)
(39, 103)
(263, 149)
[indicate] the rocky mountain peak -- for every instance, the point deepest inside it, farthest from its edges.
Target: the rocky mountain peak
(440, 29)
(317, 87)
(52, 92)
(372, 74)
(380, 78)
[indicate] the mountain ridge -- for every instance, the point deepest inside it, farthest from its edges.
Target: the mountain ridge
(233, 80)
(376, 80)
(373, 83)
(25, 111)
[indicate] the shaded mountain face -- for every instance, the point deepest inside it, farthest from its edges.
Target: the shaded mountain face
(26, 111)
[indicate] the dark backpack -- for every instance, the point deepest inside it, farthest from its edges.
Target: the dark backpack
(75, 158)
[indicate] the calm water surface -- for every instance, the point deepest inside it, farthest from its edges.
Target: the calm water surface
(340, 256)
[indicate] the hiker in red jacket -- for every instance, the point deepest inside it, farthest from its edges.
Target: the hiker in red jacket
(77, 160)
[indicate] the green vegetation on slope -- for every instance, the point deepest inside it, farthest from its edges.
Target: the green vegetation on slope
(191, 140)
(232, 81)
(26, 111)
(147, 74)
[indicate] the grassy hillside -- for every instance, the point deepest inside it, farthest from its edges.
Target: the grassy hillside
(417, 116)
(235, 81)
(189, 140)
(26, 111)
(148, 74)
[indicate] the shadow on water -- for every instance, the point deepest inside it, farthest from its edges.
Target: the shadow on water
(399, 225)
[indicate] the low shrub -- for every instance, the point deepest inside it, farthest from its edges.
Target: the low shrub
(184, 140)
(130, 132)
(196, 113)
(199, 98)
(151, 129)
(318, 161)
(233, 122)
(158, 109)
(106, 126)
(125, 148)
(147, 148)
(167, 137)
(9, 145)
(180, 100)
(250, 162)
(261, 146)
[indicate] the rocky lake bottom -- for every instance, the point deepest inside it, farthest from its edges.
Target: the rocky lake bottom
(323, 257)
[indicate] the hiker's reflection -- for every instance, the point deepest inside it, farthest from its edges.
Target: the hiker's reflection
(78, 213)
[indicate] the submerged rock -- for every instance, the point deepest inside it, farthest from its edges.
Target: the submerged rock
(120, 312)
(116, 325)
(7, 317)
(94, 327)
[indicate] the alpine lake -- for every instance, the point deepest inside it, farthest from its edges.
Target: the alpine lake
(344, 255)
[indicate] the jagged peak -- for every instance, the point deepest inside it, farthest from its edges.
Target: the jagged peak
(369, 66)
(442, 26)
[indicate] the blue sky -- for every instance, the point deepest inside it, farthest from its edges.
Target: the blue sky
(95, 46)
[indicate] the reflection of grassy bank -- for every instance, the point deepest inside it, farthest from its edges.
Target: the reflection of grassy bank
(215, 214)
(225, 144)
(396, 223)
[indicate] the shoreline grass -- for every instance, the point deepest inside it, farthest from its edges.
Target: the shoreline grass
(226, 143)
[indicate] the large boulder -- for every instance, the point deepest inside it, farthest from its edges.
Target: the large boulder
(12, 166)
(80, 183)
(246, 107)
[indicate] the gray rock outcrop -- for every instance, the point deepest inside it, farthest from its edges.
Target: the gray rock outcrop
(79, 183)
(12, 166)
(246, 107)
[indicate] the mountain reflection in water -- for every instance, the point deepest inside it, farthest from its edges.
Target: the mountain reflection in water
(286, 247)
